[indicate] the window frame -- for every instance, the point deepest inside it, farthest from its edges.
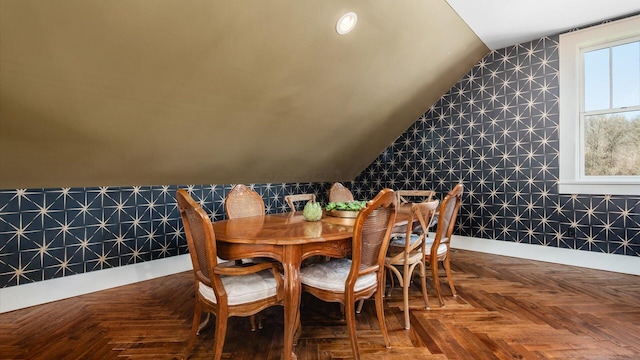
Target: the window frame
(571, 156)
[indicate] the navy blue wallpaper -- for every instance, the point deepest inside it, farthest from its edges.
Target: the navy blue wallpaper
(50, 233)
(496, 132)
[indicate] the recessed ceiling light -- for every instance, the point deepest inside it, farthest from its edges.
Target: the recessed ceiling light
(346, 23)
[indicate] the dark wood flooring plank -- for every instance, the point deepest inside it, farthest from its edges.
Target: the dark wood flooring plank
(507, 308)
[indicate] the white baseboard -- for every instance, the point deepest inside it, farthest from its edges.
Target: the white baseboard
(587, 259)
(41, 292)
(22, 296)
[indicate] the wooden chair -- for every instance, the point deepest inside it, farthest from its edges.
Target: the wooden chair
(242, 201)
(425, 195)
(221, 288)
(404, 256)
(406, 198)
(293, 198)
(441, 246)
(349, 280)
(339, 193)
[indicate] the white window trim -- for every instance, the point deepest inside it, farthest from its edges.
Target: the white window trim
(569, 48)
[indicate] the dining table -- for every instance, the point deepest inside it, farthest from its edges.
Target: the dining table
(289, 239)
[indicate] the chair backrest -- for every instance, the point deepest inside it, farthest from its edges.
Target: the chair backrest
(293, 198)
(420, 217)
(424, 195)
(242, 201)
(371, 234)
(339, 193)
(447, 216)
(200, 236)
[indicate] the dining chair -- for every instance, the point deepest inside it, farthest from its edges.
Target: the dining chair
(404, 256)
(346, 281)
(223, 289)
(425, 195)
(406, 198)
(339, 193)
(242, 201)
(293, 198)
(440, 247)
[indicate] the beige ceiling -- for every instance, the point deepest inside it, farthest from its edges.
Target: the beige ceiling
(149, 92)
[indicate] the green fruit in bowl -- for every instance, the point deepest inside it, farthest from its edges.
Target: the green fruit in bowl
(312, 211)
(353, 205)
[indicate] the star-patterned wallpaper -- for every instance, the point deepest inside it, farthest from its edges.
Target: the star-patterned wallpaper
(50, 233)
(495, 131)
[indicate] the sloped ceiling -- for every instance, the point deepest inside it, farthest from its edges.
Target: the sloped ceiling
(148, 92)
(502, 23)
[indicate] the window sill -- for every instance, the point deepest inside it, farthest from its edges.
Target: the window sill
(599, 188)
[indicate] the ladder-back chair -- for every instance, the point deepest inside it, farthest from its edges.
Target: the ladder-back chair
(405, 255)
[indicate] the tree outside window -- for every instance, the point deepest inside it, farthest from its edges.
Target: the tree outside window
(610, 116)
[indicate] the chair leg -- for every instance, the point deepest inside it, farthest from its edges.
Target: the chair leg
(436, 281)
(221, 332)
(381, 320)
(252, 321)
(197, 313)
(204, 323)
(298, 332)
(423, 278)
(350, 315)
(392, 273)
(359, 308)
(447, 268)
(393, 281)
(405, 295)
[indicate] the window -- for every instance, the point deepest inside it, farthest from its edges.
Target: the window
(600, 109)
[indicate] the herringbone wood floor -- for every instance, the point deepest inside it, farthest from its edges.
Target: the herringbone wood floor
(507, 309)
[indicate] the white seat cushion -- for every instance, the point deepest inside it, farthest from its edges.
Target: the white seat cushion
(442, 248)
(431, 240)
(332, 276)
(244, 289)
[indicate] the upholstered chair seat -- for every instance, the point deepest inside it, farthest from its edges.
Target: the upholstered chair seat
(332, 276)
(401, 240)
(442, 248)
(245, 288)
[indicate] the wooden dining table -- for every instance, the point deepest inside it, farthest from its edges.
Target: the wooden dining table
(289, 239)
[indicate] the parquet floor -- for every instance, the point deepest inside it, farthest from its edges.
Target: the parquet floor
(507, 308)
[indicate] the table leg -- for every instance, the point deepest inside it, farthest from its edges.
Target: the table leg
(292, 290)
